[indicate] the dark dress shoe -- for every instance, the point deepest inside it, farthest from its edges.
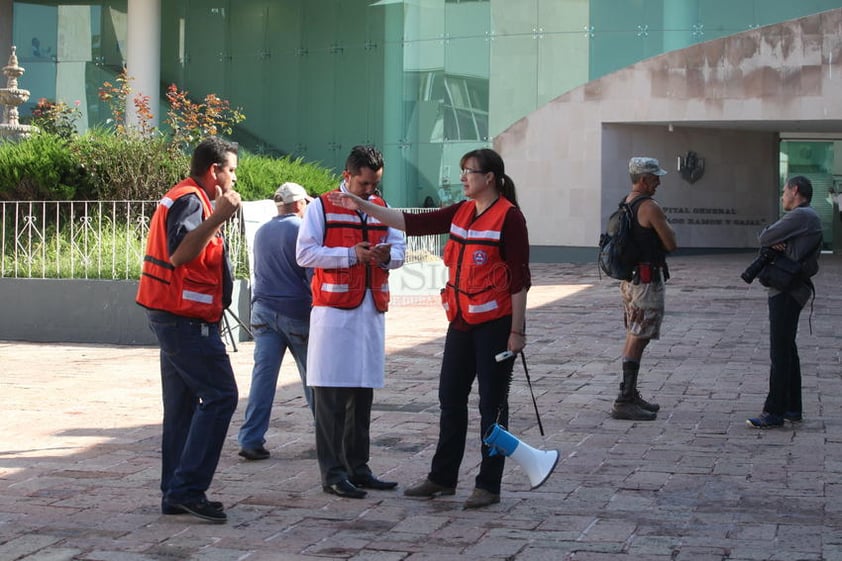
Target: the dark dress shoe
(258, 453)
(344, 488)
(167, 508)
(204, 510)
(371, 482)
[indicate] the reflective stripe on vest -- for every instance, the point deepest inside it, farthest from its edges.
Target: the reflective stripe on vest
(474, 235)
(327, 287)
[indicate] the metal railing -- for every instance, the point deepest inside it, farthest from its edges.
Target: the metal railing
(107, 240)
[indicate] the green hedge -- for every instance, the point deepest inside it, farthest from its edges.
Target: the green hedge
(122, 167)
(259, 176)
(41, 167)
(100, 165)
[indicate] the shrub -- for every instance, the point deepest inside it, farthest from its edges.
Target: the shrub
(56, 117)
(190, 122)
(140, 162)
(41, 167)
(127, 167)
(259, 176)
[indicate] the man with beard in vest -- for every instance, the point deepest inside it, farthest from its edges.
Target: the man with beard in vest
(351, 254)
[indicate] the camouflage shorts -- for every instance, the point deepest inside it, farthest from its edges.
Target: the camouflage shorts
(643, 306)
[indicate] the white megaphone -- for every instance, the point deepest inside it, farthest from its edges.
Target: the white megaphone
(537, 464)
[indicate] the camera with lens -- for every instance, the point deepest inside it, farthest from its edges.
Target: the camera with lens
(764, 257)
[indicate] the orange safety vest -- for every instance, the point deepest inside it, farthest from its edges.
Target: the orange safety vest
(478, 277)
(345, 287)
(194, 289)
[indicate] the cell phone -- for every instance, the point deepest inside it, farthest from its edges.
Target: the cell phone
(505, 355)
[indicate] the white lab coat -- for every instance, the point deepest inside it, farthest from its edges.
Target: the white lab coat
(347, 348)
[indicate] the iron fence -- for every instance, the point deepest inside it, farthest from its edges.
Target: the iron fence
(106, 239)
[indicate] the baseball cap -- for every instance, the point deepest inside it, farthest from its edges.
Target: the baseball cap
(641, 164)
(290, 192)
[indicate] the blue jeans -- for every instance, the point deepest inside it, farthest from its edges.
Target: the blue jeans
(200, 395)
(273, 335)
(785, 373)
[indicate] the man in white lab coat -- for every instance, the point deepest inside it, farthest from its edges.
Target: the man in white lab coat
(351, 254)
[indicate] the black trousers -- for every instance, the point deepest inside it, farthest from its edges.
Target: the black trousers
(343, 418)
(785, 372)
(469, 355)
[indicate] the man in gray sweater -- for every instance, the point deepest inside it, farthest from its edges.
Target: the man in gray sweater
(798, 234)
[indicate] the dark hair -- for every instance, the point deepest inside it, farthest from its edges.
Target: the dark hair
(363, 157)
(805, 187)
(212, 150)
(490, 161)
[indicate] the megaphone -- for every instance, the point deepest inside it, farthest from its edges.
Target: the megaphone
(538, 464)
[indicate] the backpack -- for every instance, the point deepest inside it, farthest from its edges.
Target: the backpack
(618, 252)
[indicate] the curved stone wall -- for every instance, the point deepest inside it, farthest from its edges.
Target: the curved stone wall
(727, 100)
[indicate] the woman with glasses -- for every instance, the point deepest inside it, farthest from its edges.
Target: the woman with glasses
(487, 256)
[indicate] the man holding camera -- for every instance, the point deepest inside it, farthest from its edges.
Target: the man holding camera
(798, 235)
(643, 296)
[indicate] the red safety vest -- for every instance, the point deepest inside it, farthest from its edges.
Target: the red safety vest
(345, 287)
(193, 289)
(478, 277)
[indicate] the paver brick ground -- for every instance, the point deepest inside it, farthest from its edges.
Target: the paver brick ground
(80, 430)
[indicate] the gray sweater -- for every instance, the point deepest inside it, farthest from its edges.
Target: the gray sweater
(801, 230)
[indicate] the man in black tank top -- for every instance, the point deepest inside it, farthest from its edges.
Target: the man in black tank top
(643, 296)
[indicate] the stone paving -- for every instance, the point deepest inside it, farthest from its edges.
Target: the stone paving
(79, 444)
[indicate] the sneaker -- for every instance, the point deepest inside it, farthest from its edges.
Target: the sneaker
(480, 498)
(204, 510)
(167, 508)
(792, 416)
(765, 421)
(427, 488)
(256, 453)
(630, 411)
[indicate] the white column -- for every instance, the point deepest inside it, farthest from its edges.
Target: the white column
(143, 55)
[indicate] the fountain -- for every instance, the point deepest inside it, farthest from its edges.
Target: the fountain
(11, 97)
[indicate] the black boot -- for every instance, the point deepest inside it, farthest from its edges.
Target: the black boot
(626, 406)
(633, 368)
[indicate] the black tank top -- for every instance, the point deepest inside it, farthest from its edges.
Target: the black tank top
(648, 242)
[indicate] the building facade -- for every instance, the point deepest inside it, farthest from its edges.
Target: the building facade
(731, 95)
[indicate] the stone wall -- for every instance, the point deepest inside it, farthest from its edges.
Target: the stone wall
(85, 311)
(727, 99)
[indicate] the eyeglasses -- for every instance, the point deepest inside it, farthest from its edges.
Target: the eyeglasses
(465, 171)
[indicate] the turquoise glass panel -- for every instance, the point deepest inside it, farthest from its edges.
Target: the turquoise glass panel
(514, 79)
(815, 161)
(726, 17)
(562, 65)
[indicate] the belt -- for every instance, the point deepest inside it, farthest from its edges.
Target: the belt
(161, 315)
(645, 273)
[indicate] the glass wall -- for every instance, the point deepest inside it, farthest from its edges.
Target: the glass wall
(426, 80)
(821, 163)
(68, 51)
